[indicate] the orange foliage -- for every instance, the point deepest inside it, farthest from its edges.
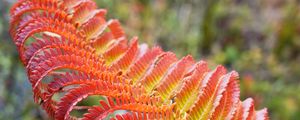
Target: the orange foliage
(70, 51)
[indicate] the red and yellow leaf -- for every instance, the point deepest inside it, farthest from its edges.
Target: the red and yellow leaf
(71, 50)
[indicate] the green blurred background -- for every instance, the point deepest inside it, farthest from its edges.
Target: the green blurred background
(258, 38)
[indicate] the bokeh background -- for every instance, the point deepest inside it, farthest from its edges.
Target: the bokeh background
(258, 38)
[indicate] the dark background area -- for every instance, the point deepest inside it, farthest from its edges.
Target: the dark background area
(258, 38)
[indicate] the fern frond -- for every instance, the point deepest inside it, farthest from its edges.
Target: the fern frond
(72, 52)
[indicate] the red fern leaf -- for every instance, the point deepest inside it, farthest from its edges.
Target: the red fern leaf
(139, 69)
(145, 107)
(72, 44)
(171, 82)
(229, 100)
(104, 88)
(211, 88)
(127, 58)
(189, 91)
